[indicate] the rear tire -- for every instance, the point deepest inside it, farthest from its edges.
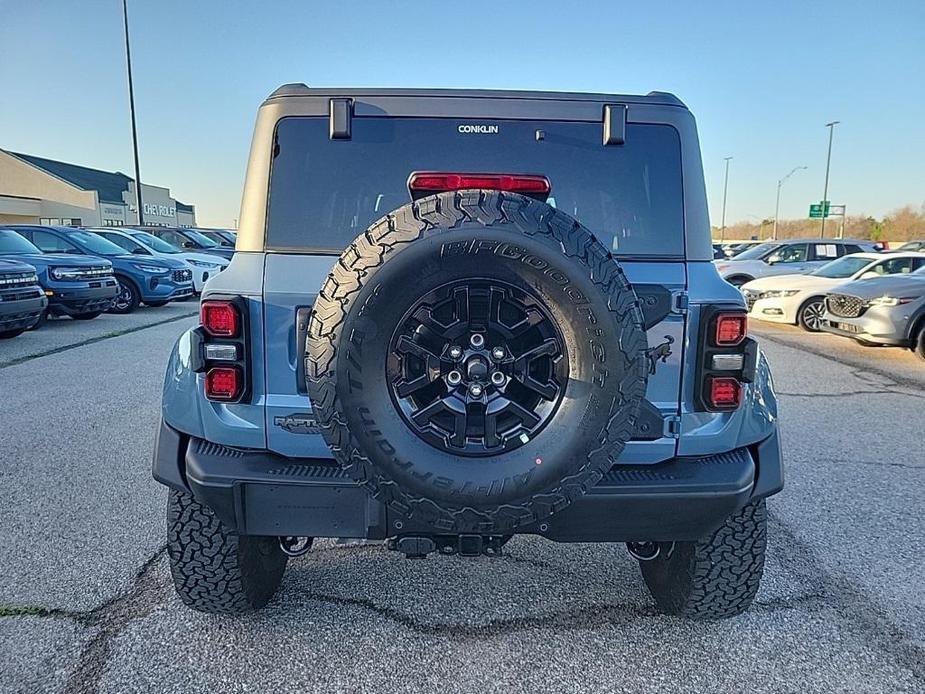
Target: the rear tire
(809, 317)
(715, 577)
(8, 334)
(215, 570)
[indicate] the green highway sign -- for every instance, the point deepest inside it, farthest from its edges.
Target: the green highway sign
(819, 210)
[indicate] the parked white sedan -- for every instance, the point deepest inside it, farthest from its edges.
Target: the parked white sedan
(799, 299)
(141, 242)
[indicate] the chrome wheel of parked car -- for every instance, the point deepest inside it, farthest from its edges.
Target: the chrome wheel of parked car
(810, 315)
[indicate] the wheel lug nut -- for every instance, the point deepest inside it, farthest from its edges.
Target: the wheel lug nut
(497, 378)
(475, 390)
(497, 353)
(477, 340)
(455, 352)
(454, 378)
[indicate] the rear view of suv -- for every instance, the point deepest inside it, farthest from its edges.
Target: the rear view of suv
(454, 317)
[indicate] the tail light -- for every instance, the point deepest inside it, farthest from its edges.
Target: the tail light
(219, 349)
(224, 383)
(730, 329)
(728, 359)
(427, 182)
(219, 318)
(725, 393)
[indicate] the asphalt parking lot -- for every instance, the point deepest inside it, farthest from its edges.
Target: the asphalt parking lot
(86, 603)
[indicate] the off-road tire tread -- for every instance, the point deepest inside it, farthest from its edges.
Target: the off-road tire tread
(357, 266)
(717, 576)
(215, 570)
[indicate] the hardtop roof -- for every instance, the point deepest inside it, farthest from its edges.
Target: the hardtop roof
(298, 89)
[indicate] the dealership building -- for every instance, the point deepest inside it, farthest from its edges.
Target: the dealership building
(34, 190)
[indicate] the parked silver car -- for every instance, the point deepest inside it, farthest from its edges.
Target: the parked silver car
(888, 310)
(789, 257)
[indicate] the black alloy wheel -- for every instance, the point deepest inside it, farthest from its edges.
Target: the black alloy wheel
(477, 367)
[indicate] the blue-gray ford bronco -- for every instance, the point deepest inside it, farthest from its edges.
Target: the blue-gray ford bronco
(454, 317)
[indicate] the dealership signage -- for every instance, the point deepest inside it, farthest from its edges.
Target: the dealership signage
(160, 210)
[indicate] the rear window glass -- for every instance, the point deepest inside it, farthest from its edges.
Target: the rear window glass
(324, 192)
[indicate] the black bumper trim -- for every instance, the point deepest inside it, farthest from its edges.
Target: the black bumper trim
(262, 493)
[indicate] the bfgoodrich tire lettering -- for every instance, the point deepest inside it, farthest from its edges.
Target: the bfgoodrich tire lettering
(717, 576)
(449, 238)
(213, 569)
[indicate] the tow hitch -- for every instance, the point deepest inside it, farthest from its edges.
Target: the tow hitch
(419, 546)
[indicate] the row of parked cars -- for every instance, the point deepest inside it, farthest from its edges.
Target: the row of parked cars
(83, 272)
(847, 287)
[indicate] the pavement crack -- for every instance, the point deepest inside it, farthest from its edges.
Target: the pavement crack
(11, 611)
(110, 619)
(858, 366)
(92, 340)
(848, 394)
(855, 610)
(586, 618)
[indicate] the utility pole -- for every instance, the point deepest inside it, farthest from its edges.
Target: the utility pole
(828, 161)
(722, 233)
(131, 102)
(777, 205)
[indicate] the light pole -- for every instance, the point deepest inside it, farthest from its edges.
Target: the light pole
(131, 102)
(722, 232)
(777, 204)
(828, 161)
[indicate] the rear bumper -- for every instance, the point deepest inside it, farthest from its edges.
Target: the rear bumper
(261, 493)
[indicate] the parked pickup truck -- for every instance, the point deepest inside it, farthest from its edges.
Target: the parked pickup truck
(81, 287)
(22, 300)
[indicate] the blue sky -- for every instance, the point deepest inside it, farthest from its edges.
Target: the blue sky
(762, 79)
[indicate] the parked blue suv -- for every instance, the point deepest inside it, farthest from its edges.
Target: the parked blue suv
(22, 300)
(78, 286)
(453, 317)
(141, 279)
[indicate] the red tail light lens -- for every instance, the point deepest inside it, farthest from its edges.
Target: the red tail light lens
(433, 181)
(725, 393)
(219, 318)
(223, 383)
(731, 329)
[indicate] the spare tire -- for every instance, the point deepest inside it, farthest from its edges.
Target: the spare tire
(476, 359)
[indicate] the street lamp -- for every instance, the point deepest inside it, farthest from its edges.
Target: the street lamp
(828, 160)
(777, 205)
(722, 233)
(131, 101)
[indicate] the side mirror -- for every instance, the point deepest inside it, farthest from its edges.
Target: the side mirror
(772, 259)
(188, 244)
(140, 251)
(869, 275)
